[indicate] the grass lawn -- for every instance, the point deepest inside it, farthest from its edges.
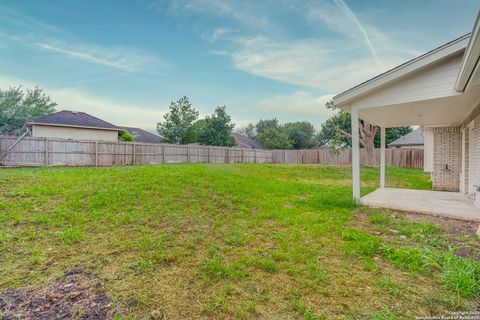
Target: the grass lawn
(231, 241)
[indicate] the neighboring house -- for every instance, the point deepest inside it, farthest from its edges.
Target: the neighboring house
(412, 139)
(73, 125)
(418, 139)
(246, 142)
(143, 136)
(438, 91)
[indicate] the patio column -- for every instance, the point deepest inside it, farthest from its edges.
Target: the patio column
(355, 156)
(382, 157)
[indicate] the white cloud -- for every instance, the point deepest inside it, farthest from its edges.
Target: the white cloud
(132, 115)
(218, 33)
(264, 47)
(340, 18)
(122, 58)
(299, 102)
(230, 10)
(312, 63)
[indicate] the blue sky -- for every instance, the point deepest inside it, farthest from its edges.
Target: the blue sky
(124, 61)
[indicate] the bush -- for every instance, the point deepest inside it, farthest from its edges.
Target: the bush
(124, 135)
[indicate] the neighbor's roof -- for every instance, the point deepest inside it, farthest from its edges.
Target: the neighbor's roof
(414, 138)
(66, 118)
(143, 136)
(447, 50)
(246, 142)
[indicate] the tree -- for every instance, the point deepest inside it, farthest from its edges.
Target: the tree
(195, 131)
(124, 135)
(178, 121)
(217, 130)
(262, 125)
(17, 107)
(336, 133)
(301, 134)
(329, 131)
(249, 130)
(275, 139)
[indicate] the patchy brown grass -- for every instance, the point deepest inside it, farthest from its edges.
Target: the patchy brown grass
(218, 241)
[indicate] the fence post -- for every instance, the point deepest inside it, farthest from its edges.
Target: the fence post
(208, 150)
(163, 153)
(189, 157)
(96, 153)
(46, 151)
(133, 154)
(227, 155)
(255, 155)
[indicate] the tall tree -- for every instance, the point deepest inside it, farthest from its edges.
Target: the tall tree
(301, 133)
(195, 131)
(329, 131)
(262, 125)
(275, 139)
(217, 130)
(249, 130)
(177, 123)
(336, 132)
(17, 107)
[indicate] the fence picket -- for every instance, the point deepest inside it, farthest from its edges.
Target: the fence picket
(41, 151)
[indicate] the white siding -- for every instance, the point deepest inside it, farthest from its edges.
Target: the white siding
(74, 133)
(433, 82)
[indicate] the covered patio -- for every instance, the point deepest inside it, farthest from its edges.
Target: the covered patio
(449, 204)
(422, 92)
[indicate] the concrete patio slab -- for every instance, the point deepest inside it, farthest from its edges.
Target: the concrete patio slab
(441, 203)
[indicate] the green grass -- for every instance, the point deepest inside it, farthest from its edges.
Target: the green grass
(230, 241)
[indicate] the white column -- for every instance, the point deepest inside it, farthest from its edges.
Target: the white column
(382, 157)
(355, 157)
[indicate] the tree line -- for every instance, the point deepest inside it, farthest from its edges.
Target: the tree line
(182, 125)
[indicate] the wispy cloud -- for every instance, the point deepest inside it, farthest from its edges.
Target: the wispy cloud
(32, 33)
(340, 18)
(295, 103)
(264, 46)
(116, 112)
(122, 58)
(239, 12)
(218, 33)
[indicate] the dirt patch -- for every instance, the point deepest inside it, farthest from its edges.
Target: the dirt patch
(74, 296)
(454, 227)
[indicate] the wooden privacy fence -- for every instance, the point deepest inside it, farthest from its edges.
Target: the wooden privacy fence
(35, 151)
(396, 157)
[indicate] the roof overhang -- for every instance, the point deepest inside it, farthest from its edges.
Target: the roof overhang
(423, 61)
(469, 73)
(69, 126)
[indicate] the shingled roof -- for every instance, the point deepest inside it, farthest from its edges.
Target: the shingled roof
(246, 142)
(73, 118)
(414, 138)
(143, 136)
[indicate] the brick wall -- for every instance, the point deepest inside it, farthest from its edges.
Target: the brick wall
(447, 160)
(465, 160)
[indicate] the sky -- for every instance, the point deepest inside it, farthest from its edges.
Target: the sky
(124, 61)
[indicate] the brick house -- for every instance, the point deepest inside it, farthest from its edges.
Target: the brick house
(438, 91)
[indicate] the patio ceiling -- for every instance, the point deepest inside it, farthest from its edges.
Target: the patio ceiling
(446, 111)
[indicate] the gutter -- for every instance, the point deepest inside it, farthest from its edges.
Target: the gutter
(470, 59)
(70, 126)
